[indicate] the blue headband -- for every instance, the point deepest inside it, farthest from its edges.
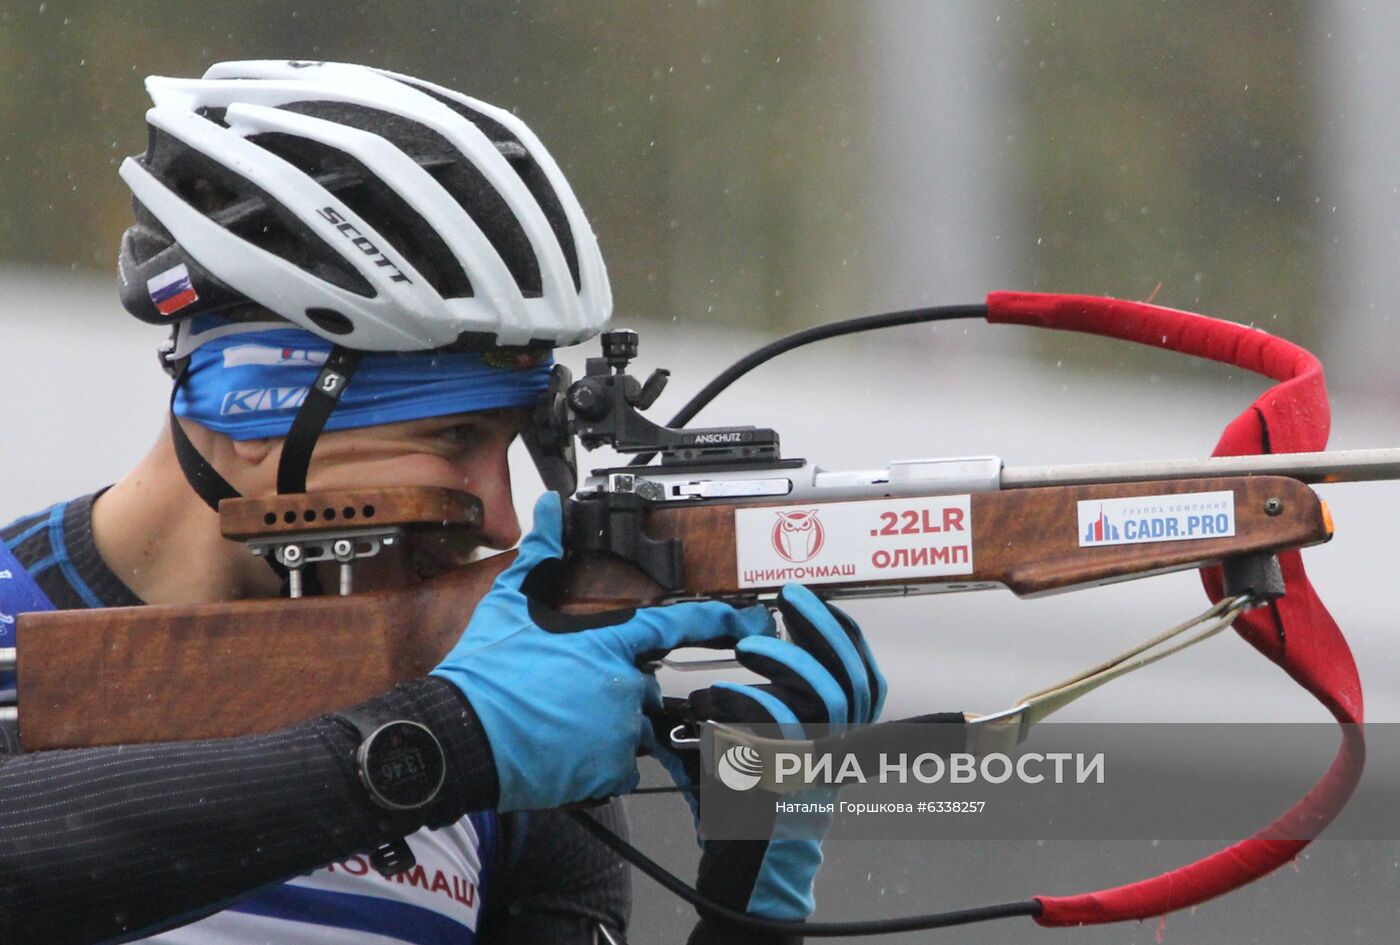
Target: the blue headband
(249, 385)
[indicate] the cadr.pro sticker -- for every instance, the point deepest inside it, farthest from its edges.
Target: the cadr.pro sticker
(1148, 518)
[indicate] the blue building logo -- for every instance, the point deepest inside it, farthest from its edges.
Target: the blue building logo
(1100, 529)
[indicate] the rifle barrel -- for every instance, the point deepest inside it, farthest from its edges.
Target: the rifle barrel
(1311, 468)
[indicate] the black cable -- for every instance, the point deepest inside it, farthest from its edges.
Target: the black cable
(849, 326)
(711, 909)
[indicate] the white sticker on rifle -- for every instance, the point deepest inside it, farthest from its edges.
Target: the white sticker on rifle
(1145, 518)
(826, 543)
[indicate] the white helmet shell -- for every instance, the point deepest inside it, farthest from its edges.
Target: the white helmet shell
(379, 211)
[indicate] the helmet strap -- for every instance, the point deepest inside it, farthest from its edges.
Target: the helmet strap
(311, 418)
(202, 477)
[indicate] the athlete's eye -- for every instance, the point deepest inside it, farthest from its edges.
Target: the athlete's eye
(478, 431)
(463, 433)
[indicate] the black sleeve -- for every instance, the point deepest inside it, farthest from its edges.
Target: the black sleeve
(557, 884)
(105, 844)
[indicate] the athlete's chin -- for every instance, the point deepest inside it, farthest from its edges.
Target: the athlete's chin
(437, 554)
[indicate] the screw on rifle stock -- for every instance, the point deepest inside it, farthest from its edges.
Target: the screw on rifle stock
(1273, 505)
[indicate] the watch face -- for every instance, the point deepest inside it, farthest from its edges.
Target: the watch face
(402, 765)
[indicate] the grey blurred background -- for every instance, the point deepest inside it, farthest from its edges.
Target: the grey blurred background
(753, 168)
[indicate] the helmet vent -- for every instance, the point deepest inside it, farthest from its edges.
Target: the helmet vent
(216, 115)
(377, 204)
(476, 195)
(530, 172)
(242, 207)
(205, 195)
(330, 320)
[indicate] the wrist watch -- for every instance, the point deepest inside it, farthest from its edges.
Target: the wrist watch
(400, 763)
(402, 767)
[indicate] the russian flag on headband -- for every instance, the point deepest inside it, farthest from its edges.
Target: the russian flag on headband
(171, 290)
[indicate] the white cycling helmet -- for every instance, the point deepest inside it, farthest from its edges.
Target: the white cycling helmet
(381, 212)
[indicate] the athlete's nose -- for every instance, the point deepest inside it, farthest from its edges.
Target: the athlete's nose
(500, 527)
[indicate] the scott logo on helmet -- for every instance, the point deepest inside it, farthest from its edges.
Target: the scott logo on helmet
(362, 243)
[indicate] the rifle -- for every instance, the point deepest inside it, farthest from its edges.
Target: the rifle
(725, 515)
(162, 673)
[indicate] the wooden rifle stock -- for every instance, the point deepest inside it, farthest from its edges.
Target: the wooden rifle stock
(162, 673)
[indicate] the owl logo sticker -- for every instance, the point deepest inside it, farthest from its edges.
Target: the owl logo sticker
(798, 536)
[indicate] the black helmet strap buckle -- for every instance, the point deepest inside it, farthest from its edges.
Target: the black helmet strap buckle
(310, 420)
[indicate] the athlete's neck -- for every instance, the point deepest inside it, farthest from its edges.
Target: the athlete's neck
(163, 541)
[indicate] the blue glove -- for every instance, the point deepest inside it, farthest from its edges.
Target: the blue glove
(560, 697)
(826, 674)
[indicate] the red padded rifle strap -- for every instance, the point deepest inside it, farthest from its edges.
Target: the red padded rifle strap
(1296, 632)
